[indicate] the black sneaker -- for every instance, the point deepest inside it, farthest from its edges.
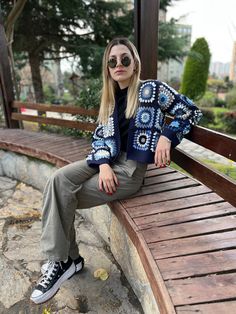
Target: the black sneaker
(79, 265)
(50, 283)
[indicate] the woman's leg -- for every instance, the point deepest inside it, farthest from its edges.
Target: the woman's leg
(59, 205)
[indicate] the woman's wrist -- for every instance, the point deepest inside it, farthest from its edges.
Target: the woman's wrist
(166, 138)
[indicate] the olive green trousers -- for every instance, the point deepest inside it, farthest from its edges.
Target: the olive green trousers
(76, 186)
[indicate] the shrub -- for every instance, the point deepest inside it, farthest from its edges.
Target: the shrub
(229, 120)
(208, 100)
(196, 70)
(208, 117)
(231, 99)
(90, 94)
(220, 103)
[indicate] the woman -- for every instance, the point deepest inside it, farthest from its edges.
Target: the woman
(131, 133)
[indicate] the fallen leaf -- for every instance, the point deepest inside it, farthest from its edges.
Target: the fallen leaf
(101, 273)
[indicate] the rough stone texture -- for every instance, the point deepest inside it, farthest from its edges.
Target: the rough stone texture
(14, 284)
(24, 202)
(102, 216)
(2, 224)
(20, 263)
(28, 170)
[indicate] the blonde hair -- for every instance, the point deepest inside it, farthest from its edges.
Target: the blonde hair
(109, 85)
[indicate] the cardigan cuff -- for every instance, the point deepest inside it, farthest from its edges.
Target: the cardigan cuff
(171, 135)
(97, 163)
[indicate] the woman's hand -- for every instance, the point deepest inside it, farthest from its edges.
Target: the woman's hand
(162, 153)
(107, 179)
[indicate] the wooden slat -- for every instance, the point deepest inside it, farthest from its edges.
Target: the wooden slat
(53, 108)
(166, 186)
(227, 307)
(193, 245)
(190, 228)
(164, 196)
(171, 205)
(202, 289)
(86, 126)
(163, 178)
(159, 289)
(199, 264)
(184, 215)
(217, 181)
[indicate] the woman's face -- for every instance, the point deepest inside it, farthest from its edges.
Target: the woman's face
(121, 73)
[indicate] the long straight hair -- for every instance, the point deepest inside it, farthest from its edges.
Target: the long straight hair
(109, 85)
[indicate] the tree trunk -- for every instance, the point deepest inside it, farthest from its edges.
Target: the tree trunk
(36, 77)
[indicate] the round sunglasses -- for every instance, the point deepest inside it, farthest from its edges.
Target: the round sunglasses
(125, 61)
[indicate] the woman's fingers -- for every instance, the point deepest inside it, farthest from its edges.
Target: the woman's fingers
(162, 153)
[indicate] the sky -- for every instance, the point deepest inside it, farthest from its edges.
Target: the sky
(213, 19)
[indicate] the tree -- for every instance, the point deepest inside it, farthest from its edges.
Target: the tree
(196, 70)
(57, 29)
(170, 44)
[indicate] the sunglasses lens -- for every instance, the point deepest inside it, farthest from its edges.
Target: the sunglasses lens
(112, 63)
(126, 61)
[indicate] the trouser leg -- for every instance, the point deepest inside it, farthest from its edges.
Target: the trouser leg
(59, 205)
(76, 186)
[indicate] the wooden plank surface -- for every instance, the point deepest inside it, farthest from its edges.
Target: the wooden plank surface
(88, 126)
(228, 307)
(197, 264)
(187, 229)
(184, 215)
(173, 205)
(164, 196)
(55, 108)
(202, 289)
(195, 244)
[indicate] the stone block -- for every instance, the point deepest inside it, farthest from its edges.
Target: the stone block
(128, 258)
(100, 217)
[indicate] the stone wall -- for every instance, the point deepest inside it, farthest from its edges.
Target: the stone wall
(35, 172)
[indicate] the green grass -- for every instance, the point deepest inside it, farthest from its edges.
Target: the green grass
(228, 170)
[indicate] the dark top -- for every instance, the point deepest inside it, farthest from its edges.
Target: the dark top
(121, 102)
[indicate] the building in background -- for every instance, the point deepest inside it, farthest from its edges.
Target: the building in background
(172, 70)
(232, 75)
(219, 70)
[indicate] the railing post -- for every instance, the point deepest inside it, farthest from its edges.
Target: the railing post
(6, 84)
(146, 15)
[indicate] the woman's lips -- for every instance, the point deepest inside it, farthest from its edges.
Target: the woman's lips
(119, 72)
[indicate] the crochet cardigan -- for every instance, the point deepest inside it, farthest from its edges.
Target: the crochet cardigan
(156, 99)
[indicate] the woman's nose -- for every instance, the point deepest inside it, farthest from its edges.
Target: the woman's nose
(119, 63)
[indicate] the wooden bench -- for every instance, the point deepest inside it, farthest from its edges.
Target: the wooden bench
(184, 230)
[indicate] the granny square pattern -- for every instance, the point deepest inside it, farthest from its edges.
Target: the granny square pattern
(108, 129)
(101, 153)
(142, 139)
(165, 97)
(159, 119)
(144, 117)
(147, 92)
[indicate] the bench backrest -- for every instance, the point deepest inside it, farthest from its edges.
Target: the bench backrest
(43, 119)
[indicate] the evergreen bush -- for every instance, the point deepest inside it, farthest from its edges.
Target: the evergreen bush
(196, 70)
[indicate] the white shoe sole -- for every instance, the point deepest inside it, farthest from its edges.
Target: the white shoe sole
(50, 293)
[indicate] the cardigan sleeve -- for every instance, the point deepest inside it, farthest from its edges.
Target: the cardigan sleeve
(184, 111)
(100, 153)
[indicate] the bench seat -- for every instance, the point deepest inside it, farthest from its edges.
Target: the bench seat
(184, 232)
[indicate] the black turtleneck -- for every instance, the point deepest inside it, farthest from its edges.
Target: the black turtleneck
(121, 102)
